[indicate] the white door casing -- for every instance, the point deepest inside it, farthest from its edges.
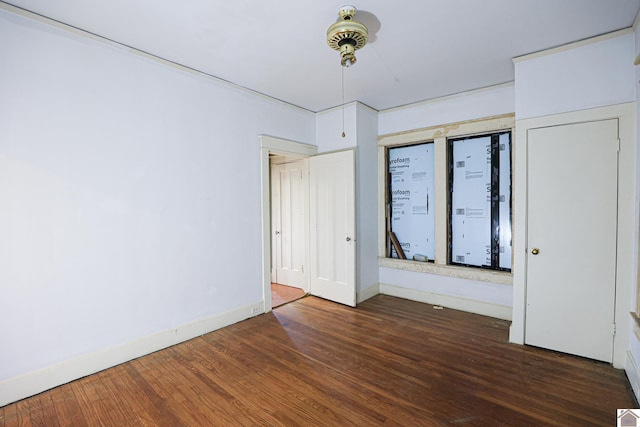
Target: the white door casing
(332, 227)
(572, 173)
(289, 202)
(279, 146)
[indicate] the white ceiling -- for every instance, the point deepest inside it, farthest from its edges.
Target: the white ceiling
(417, 50)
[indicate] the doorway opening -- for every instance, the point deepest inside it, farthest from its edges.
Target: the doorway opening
(325, 263)
(283, 294)
(289, 197)
(280, 151)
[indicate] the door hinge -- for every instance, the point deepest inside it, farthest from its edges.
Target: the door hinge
(302, 269)
(613, 330)
(618, 145)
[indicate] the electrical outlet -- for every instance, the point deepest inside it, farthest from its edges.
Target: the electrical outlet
(257, 309)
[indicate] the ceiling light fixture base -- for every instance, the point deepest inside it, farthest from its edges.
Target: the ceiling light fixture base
(347, 35)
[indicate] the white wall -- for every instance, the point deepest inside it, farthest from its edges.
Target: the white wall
(633, 356)
(329, 127)
(462, 288)
(585, 81)
(487, 102)
(129, 201)
(589, 75)
(460, 293)
(367, 202)
(360, 127)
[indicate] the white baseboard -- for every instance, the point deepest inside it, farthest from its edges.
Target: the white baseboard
(462, 304)
(631, 368)
(32, 383)
(367, 293)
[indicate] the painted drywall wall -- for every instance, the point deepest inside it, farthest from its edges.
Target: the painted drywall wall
(592, 75)
(360, 127)
(494, 298)
(483, 297)
(331, 123)
(631, 362)
(129, 196)
(367, 201)
(487, 102)
(633, 356)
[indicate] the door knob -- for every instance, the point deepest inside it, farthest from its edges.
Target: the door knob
(348, 239)
(277, 232)
(535, 251)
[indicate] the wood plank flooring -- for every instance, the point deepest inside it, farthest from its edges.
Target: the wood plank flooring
(312, 362)
(283, 294)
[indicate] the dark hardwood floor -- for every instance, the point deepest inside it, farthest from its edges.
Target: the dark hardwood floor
(283, 294)
(312, 362)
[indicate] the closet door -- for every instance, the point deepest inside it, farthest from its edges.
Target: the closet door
(571, 237)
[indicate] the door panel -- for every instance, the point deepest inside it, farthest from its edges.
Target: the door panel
(332, 216)
(289, 213)
(571, 237)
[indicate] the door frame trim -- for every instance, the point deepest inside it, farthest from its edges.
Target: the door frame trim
(275, 145)
(627, 215)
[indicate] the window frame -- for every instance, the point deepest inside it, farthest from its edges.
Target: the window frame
(389, 249)
(439, 135)
(495, 189)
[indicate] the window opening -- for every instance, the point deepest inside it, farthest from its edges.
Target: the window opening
(410, 208)
(480, 201)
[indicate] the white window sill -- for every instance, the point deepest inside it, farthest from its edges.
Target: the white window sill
(470, 273)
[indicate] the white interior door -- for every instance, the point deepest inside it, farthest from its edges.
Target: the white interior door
(571, 238)
(332, 233)
(289, 201)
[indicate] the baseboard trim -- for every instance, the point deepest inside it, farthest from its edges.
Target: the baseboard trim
(457, 303)
(631, 368)
(32, 383)
(367, 293)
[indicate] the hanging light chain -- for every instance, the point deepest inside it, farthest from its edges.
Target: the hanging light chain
(347, 35)
(343, 134)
